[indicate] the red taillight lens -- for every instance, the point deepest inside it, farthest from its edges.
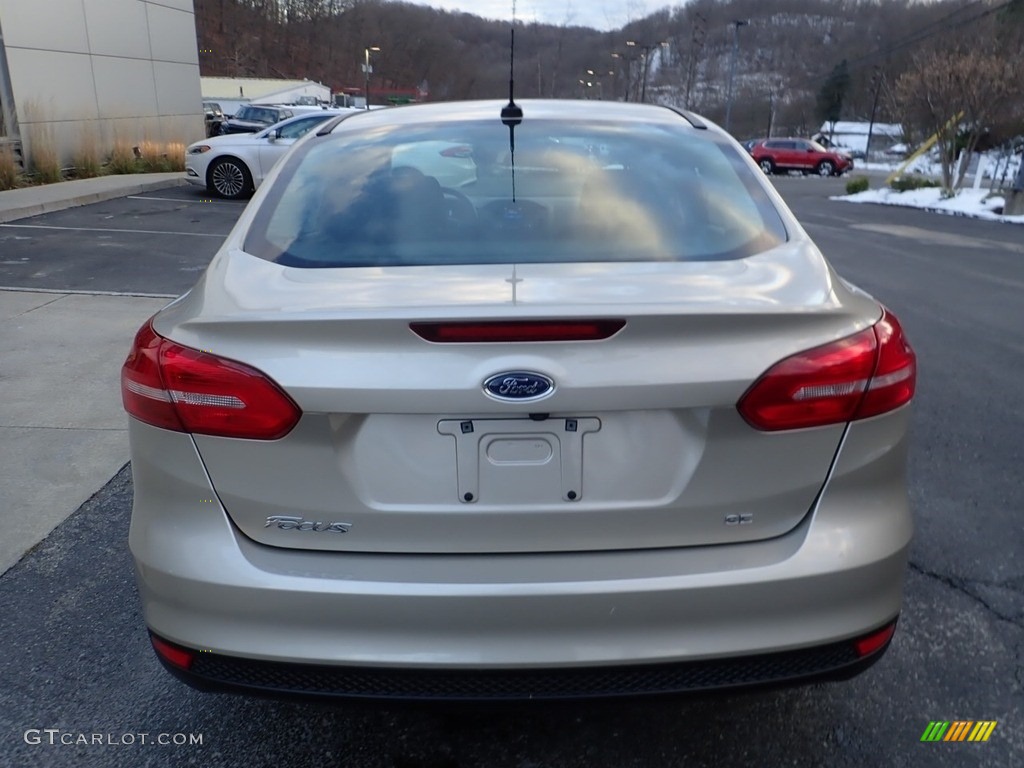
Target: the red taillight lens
(896, 375)
(186, 390)
(142, 388)
(869, 644)
(172, 654)
(518, 331)
(863, 375)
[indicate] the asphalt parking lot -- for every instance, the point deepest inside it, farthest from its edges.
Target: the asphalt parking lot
(149, 244)
(77, 658)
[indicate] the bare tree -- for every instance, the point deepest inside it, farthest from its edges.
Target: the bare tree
(955, 94)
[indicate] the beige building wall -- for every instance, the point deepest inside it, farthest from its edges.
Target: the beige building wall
(102, 71)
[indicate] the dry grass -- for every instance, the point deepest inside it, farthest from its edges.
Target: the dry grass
(45, 160)
(10, 173)
(163, 157)
(42, 155)
(86, 158)
(128, 155)
(175, 151)
(122, 158)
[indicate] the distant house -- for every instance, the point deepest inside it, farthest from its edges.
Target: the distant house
(854, 135)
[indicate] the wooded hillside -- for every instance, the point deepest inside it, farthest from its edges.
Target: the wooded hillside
(785, 52)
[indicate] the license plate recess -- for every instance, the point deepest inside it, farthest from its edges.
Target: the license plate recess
(519, 461)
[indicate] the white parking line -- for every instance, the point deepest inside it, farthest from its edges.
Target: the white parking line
(204, 200)
(121, 231)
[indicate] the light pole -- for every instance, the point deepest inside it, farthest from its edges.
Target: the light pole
(736, 24)
(366, 73)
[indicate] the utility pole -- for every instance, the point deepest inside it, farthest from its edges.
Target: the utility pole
(879, 76)
(736, 24)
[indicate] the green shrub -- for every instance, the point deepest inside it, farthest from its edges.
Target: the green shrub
(905, 183)
(857, 184)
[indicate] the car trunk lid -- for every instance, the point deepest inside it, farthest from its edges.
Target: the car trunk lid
(637, 443)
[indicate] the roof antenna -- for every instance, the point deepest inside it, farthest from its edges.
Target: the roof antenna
(512, 113)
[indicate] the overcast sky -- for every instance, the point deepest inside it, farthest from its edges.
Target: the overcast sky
(599, 14)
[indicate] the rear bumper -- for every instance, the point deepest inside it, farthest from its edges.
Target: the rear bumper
(229, 674)
(723, 614)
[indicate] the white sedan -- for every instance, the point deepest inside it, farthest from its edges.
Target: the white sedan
(233, 165)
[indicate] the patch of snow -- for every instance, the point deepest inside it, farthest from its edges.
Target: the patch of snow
(976, 203)
(861, 128)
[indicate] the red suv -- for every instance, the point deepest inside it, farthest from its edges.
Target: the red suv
(799, 155)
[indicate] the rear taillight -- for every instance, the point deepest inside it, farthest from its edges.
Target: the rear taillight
(187, 390)
(863, 375)
(896, 375)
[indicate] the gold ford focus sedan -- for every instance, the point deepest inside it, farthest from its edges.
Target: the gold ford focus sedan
(485, 403)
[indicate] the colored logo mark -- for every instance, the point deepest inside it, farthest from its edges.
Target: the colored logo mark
(958, 730)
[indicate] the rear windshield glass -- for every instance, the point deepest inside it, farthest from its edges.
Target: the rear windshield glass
(463, 193)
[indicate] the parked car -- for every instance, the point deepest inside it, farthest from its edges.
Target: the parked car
(594, 423)
(251, 118)
(774, 155)
(232, 166)
(255, 117)
(213, 116)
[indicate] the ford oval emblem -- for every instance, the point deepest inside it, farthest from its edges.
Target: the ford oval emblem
(518, 385)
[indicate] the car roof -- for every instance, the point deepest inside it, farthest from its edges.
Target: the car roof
(307, 115)
(326, 113)
(533, 109)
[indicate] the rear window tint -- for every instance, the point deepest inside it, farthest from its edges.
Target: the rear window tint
(455, 193)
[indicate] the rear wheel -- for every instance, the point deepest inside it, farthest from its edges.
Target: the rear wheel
(826, 168)
(767, 166)
(230, 178)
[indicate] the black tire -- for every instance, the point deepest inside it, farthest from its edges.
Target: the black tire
(229, 178)
(826, 168)
(766, 165)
